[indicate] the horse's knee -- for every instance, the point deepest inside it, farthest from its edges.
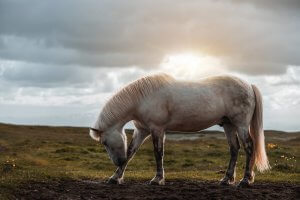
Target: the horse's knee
(139, 136)
(238, 146)
(248, 146)
(234, 151)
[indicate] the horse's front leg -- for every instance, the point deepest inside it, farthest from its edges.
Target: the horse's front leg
(158, 138)
(139, 136)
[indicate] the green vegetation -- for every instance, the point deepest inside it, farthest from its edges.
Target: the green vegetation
(38, 153)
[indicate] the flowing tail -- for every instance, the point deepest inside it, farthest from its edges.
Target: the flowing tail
(257, 134)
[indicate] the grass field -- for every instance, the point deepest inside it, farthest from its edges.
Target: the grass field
(45, 154)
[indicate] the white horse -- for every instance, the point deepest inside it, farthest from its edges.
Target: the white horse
(159, 102)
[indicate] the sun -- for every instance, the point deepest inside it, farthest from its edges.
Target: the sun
(184, 60)
(191, 65)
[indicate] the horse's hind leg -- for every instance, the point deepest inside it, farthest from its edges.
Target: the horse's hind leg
(158, 138)
(139, 136)
(234, 145)
(247, 142)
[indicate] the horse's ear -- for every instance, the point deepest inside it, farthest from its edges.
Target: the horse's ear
(95, 133)
(93, 129)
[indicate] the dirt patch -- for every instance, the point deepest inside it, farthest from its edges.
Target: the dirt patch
(174, 189)
(2, 149)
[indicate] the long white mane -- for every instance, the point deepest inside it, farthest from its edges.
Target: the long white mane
(128, 97)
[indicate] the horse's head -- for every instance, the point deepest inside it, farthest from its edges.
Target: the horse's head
(115, 143)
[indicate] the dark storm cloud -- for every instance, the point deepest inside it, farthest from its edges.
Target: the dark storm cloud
(23, 49)
(254, 37)
(42, 76)
(279, 5)
(64, 80)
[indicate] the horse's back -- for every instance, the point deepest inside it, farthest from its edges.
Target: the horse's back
(217, 91)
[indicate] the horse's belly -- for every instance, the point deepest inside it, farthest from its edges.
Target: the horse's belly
(195, 113)
(191, 124)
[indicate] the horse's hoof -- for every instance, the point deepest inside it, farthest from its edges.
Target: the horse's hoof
(115, 181)
(156, 181)
(244, 183)
(227, 181)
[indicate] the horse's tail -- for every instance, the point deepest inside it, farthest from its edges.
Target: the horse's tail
(257, 134)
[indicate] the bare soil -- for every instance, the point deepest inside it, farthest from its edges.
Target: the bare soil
(174, 189)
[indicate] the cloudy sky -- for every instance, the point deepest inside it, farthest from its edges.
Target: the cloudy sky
(60, 61)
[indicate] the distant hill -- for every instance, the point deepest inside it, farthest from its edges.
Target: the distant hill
(45, 129)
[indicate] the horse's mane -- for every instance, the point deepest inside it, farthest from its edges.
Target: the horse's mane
(119, 104)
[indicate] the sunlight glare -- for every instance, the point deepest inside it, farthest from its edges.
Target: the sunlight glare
(191, 66)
